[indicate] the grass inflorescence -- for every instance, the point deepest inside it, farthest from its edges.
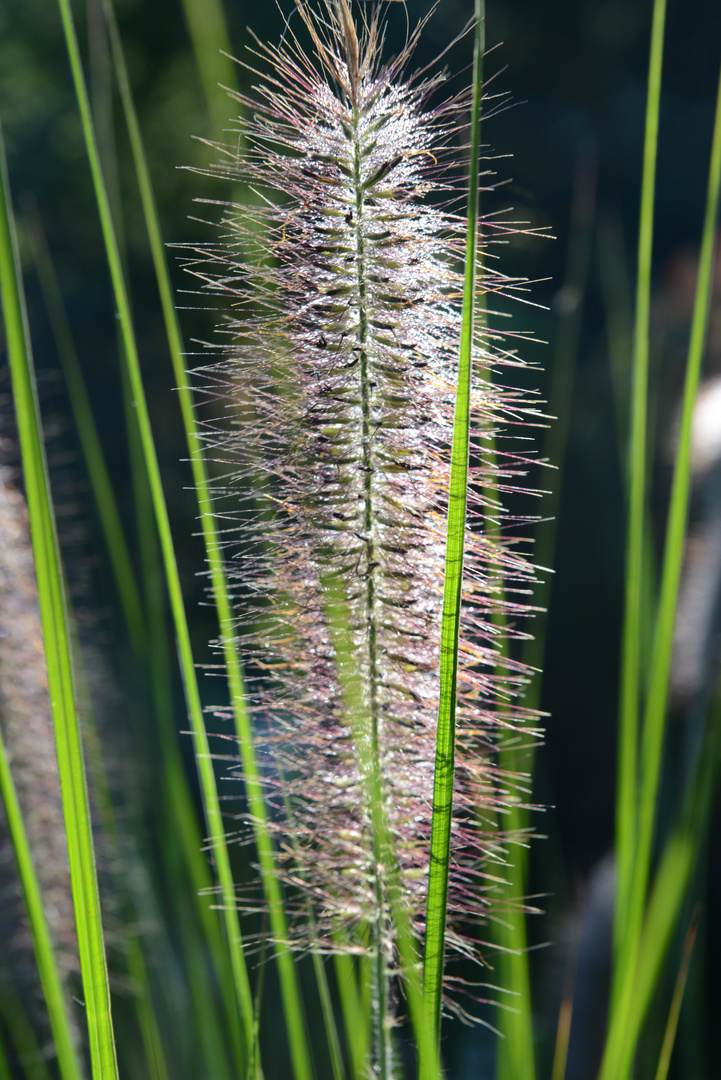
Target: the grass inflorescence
(340, 370)
(370, 588)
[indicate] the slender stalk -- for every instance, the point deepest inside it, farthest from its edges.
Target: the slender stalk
(204, 759)
(68, 1062)
(627, 807)
(654, 725)
(620, 1047)
(208, 31)
(384, 850)
(382, 1049)
(355, 1016)
(290, 988)
(131, 941)
(515, 1055)
(56, 638)
(450, 629)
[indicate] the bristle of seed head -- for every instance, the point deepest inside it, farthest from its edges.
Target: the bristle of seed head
(351, 45)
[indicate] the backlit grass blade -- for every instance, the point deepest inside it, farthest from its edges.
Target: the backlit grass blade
(288, 978)
(626, 803)
(429, 1067)
(47, 968)
(676, 867)
(445, 739)
(515, 1055)
(331, 1028)
(53, 614)
(656, 706)
(131, 942)
(208, 31)
(149, 642)
(654, 725)
(355, 1016)
(205, 764)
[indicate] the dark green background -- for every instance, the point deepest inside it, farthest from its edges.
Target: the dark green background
(576, 75)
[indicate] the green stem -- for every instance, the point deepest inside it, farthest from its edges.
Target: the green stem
(627, 798)
(45, 957)
(56, 639)
(622, 1036)
(451, 616)
(382, 1049)
(290, 989)
(214, 819)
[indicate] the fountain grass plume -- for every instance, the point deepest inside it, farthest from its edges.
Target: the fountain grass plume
(338, 368)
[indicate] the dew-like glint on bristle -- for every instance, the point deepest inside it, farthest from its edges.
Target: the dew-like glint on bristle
(340, 370)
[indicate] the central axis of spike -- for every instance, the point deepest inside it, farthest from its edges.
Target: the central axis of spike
(380, 930)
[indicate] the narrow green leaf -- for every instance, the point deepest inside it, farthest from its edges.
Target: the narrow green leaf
(621, 1044)
(627, 798)
(355, 1016)
(383, 844)
(450, 628)
(132, 947)
(288, 977)
(677, 863)
(204, 759)
(331, 1028)
(53, 614)
(654, 725)
(47, 968)
(515, 1054)
(208, 31)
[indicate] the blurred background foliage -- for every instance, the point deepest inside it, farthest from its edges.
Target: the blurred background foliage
(576, 70)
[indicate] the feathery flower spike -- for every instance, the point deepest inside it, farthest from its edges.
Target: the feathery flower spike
(340, 372)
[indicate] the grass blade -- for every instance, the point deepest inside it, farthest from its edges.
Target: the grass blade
(355, 1016)
(445, 738)
(205, 764)
(208, 31)
(47, 968)
(131, 942)
(429, 1067)
(626, 805)
(678, 860)
(53, 613)
(655, 713)
(288, 978)
(515, 1055)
